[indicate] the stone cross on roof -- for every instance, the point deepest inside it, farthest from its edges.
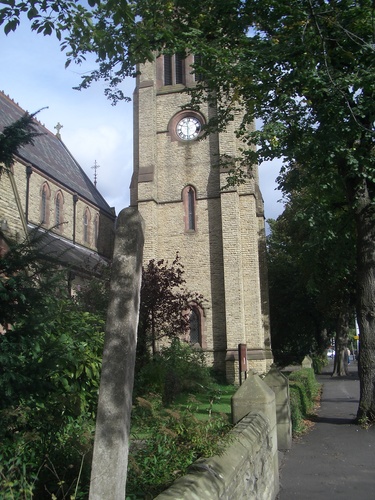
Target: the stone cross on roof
(58, 127)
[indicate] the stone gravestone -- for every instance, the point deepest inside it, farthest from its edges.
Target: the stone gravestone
(111, 447)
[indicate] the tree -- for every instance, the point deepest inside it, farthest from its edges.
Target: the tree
(311, 270)
(93, 295)
(297, 325)
(20, 133)
(165, 304)
(50, 360)
(320, 226)
(303, 67)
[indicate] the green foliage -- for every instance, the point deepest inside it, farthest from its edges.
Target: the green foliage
(297, 414)
(25, 280)
(53, 415)
(173, 390)
(173, 441)
(35, 464)
(14, 136)
(307, 378)
(311, 261)
(50, 359)
(216, 399)
(57, 358)
(319, 362)
(303, 68)
(175, 369)
(303, 392)
(93, 294)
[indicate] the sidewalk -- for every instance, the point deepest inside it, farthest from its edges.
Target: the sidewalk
(336, 459)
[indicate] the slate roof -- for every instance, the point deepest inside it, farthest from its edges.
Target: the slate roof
(50, 155)
(70, 254)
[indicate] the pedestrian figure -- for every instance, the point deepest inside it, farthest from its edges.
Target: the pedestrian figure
(348, 351)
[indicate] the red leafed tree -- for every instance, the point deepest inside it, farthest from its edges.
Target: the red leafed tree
(165, 303)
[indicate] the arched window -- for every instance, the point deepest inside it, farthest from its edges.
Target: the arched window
(45, 195)
(59, 201)
(196, 334)
(195, 327)
(191, 208)
(189, 201)
(86, 225)
(96, 230)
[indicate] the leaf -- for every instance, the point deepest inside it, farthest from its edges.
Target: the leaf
(11, 26)
(33, 12)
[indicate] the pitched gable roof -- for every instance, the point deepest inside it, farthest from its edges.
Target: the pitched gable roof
(50, 155)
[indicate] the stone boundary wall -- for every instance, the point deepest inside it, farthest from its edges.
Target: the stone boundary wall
(245, 470)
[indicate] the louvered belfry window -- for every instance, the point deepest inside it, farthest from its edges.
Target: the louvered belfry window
(174, 69)
(167, 70)
(180, 68)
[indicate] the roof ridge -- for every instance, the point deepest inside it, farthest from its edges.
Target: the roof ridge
(50, 155)
(23, 111)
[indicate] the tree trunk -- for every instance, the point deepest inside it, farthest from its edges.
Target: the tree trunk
(365, 223)
(341, 343)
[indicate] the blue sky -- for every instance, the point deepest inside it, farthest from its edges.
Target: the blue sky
(33, 74)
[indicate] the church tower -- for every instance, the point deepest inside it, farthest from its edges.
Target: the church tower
(219, 234)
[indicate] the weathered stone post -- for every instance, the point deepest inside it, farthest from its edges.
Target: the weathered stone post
(307, 362)
(280, 386)
(111, 447)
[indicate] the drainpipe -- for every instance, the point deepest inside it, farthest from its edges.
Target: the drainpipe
(29, 171)
(18, 201)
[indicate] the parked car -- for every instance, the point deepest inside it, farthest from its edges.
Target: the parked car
(331, 353)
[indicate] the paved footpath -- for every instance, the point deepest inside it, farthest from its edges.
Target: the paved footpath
(336, 459)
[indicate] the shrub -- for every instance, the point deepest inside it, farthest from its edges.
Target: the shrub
(319, 362)
(303, 391)
(297, 415)
(35, 463)
(49, 381)
(170, 442)
(175, 369)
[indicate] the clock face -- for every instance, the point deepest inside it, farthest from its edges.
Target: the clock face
(188, 128)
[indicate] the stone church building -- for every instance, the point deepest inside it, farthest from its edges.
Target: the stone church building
(48, 192)
(218, 233)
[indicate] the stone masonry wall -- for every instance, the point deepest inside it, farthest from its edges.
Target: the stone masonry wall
(12, 211)
(244, 471)
(220, 256)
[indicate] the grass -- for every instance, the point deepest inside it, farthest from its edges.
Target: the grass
(216, 401)
(202, 405)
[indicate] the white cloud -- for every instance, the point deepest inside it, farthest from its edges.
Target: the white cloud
(34, 75)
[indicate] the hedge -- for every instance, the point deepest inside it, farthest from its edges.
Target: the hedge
(304, 390)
